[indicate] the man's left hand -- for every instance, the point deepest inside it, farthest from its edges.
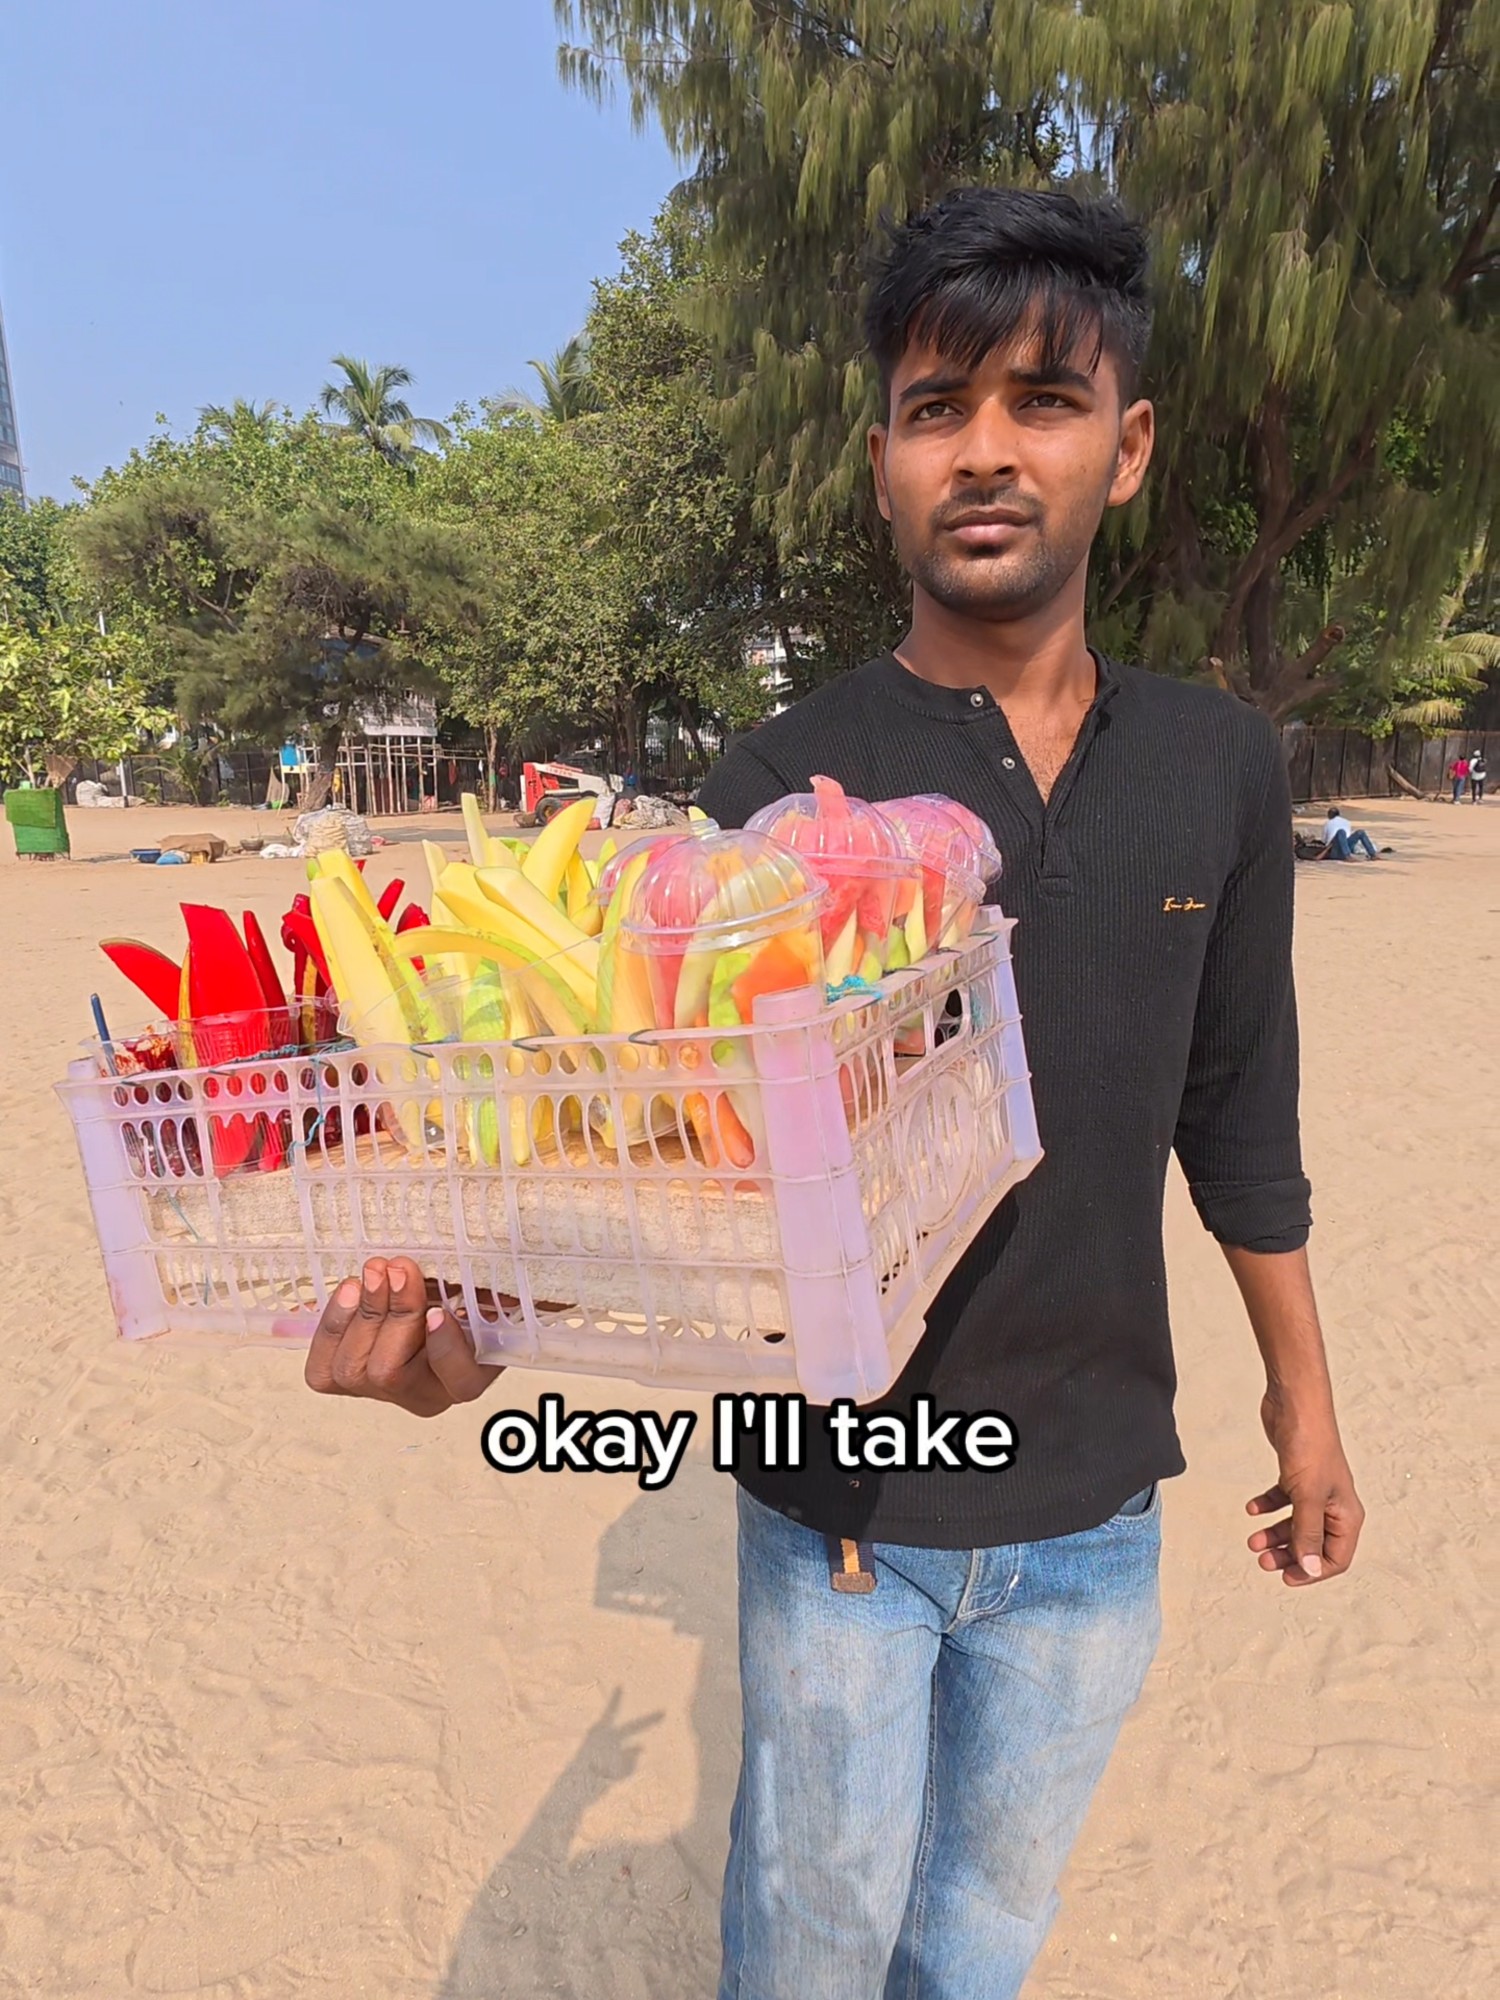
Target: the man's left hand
(1318, 1538)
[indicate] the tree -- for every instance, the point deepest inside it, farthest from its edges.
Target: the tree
(1320, 180)
(69, 691)
(567, 384)
(291, 582)
(222, 420)
(1430, 681)
(364, 405)
(39, 580)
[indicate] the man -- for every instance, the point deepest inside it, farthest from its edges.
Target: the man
(918, 1757)
(1479, 772)
(1341, 840)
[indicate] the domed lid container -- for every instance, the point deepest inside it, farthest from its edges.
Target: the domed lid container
(647, 843)
(953, 862)
(870, 870)
(719, 920)
(838, 834)
(990, 858)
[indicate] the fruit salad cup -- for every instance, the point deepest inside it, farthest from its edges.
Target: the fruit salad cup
(870, 871)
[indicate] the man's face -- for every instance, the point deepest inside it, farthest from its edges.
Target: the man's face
(994, 480)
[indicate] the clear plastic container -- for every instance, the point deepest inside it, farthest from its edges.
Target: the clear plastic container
(989, 855)
(647, 843)
(869, 869)
(216, 1039)
(707, 926)
(953, 861)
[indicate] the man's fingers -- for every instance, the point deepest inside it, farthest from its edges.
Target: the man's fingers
(1307, 1533)
(337, 1314)
(1269, 1502)
(452, 1358)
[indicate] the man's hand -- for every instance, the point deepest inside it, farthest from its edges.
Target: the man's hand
(380, 1339)
(1318, 1538)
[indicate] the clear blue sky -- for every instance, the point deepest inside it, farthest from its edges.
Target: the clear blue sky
(203, 199)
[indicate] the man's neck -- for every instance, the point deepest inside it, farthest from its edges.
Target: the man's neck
(1035, 663)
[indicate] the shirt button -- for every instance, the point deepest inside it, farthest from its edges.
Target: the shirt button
(1009, 763)
(976, 700)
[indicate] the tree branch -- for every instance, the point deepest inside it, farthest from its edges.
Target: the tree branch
(1472, 258)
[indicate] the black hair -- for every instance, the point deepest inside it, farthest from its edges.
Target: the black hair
(966, 274)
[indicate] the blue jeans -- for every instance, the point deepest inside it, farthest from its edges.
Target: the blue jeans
(1344, 844)
(918, 1761)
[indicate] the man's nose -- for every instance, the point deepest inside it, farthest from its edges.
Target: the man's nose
(988, 446)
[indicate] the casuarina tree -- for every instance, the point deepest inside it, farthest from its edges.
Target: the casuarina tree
(1320, 180)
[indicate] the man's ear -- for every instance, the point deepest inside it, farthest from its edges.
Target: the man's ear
(1137, 436)
(877, 443)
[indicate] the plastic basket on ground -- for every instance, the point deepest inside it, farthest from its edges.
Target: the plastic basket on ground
(563, 1197)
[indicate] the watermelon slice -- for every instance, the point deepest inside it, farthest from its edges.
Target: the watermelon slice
(156, 975)
(269, 978)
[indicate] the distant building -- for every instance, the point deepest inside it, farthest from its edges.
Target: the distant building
(12, 484)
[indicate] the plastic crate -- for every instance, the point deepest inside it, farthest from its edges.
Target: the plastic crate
(556, 1195)
(38, 820)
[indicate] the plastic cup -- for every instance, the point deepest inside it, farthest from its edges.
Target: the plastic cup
(870, 871)
(707, 926)
(647, 843)
(958, 857)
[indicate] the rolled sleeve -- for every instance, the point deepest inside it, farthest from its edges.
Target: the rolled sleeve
(1238, 1137)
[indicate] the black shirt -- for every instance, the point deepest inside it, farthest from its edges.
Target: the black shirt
(1153, 893)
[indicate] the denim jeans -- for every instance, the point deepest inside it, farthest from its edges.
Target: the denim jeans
(1344, 844)
(918, 1761)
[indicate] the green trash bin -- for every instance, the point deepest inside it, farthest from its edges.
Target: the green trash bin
(37, 820)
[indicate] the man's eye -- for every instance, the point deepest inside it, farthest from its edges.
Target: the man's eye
(933, 409)
(1048, 399)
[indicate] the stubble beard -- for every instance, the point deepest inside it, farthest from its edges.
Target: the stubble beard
(994, 588)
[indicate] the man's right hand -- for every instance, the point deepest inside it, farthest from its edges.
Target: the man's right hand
(380, 1338)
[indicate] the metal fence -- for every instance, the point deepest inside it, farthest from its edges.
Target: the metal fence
(1343, 764)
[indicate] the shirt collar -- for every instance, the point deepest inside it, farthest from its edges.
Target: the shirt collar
(954, 704)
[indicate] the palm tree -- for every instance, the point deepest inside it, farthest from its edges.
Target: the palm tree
(364, 404)
(568, 387)
(238, 416)
(1431, 682)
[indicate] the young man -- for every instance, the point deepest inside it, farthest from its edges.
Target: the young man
(1342, 841)
(918, 1758)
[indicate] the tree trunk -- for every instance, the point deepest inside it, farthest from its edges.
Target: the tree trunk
(491, 755)
(320, 784)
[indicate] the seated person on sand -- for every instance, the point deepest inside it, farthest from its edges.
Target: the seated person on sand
(1340, 839)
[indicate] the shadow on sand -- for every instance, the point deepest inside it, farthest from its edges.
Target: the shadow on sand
(626, 1921)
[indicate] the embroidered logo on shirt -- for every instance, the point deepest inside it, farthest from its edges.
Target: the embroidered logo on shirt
(1179, 903)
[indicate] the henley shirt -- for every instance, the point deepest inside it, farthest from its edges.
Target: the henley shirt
(1153, 893)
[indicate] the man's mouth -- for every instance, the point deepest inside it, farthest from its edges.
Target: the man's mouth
(988, 527)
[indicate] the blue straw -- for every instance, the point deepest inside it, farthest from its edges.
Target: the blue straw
(99, 1023)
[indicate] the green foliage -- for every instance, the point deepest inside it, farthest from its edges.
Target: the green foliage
(286, 572)
(567, 385)
(1319, 179)
(1424, 682)
(39, 579)
(364, 406)
(68, 691)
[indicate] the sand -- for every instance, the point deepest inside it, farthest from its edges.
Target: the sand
(299, 1699)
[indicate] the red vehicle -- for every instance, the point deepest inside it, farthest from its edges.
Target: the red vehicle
(547, 788)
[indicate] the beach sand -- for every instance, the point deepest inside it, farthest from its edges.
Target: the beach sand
(299, 1699)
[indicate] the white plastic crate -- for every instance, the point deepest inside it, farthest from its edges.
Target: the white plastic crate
(884, 1129)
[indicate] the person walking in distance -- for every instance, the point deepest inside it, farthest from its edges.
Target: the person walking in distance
(1478, 774)
(1458, 771)
(919, 1750)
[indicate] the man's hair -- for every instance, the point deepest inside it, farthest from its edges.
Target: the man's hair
(983, 264)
